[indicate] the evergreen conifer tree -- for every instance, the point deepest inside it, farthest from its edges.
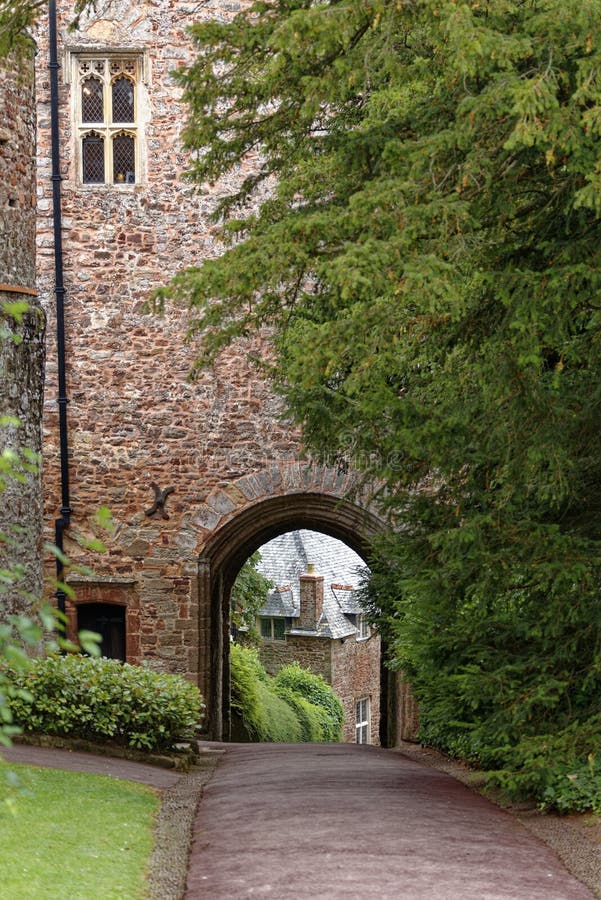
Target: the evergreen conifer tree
(427, 257)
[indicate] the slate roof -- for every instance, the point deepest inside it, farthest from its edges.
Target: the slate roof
(346, 595)
(280, 603)
(285, 558)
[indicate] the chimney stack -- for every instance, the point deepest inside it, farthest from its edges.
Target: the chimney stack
(311, 599)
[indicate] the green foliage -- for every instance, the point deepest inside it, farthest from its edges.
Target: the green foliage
(575, 791)
(275, 720)
(18, 17)
(317, 692)
(249, 594)
(428, 259)
(264, 715)
(313, 720)
(301, 707)
(104, 700)
(23, 635)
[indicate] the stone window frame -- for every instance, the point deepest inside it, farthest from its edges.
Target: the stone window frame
(362, 720)
(108, 65)
(261, 620)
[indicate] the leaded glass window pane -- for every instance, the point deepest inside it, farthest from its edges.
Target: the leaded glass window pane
(123, 100)
(124, 159)
(92, 106)
(92, 151)
(278, 630)
(265, 626)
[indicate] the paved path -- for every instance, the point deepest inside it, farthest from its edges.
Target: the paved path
(341, 821)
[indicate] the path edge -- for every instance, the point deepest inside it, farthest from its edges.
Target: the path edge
(580, 854)
(168, 866)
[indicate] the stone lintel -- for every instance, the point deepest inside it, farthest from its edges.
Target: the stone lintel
(101, 579)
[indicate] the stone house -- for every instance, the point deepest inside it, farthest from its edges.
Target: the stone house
(197, 474)
(312, 616)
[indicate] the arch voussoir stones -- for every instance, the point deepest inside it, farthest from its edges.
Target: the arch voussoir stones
(237, 518)
(285, 480)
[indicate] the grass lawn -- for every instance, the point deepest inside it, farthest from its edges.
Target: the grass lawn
(72, 835)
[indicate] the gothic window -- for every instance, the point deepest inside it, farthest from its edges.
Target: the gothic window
(92, 158)
(123, 99)
(124, 158)
(92, 101)
(107, 97)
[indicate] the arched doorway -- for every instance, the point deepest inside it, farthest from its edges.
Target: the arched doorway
(231, 545)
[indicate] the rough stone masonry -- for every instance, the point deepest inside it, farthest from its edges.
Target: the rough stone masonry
(21, 335)
(137, 424)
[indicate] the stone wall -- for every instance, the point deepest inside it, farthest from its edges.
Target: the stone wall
(135, 418)
(137, 423)
(352, 668)
(356, 674)
(22, 338)
(314, 653)
(17, 172)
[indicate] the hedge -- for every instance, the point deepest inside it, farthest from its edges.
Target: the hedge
(317, 692)
(105, 700)
(296, 707)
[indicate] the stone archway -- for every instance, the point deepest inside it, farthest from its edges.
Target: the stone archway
(253, 510)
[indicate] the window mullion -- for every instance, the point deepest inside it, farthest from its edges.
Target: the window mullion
(108, 146)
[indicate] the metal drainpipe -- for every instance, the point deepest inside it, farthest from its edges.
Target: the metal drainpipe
(59, 290)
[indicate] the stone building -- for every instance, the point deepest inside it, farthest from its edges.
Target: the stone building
(312, 616)
(21, 334)
(199, 474)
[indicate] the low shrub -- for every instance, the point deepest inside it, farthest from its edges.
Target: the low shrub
(264, 715)
(278, 722)
(578, 790)
(105, 700)
(246, 672)
(559, 770)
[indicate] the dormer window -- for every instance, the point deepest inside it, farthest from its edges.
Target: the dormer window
(107, 119)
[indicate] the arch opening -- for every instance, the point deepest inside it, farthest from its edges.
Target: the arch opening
(223, 557)
(299, 602)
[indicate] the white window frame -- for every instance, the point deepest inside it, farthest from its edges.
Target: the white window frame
(107, 66)
(362, 626)
(363, 721)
